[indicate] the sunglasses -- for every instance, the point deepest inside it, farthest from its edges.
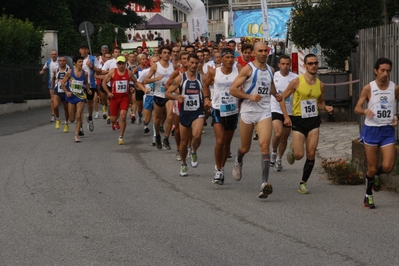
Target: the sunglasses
(312, 63)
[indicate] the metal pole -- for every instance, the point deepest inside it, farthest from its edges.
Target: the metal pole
(87, 36)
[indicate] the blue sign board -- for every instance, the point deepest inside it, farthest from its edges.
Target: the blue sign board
(249, 22)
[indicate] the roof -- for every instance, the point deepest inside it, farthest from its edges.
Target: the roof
(158, 22)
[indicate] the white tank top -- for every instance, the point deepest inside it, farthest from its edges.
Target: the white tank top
(281, 84)
(165, 73)
(222, 84)
(382, 104)
(142, 76)
(259, 82)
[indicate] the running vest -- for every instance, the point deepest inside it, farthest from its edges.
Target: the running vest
(59, 76)
(241, 61)
(259, 82)
(192, 92)
(120, 83)
(89, 71)
(141, 78)
(382, 104)
(304, 99)
(165, 73)
(222, 100)
(281, 83)
(77, 85)
(52, 66)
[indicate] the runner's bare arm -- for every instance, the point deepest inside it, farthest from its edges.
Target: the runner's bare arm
(364, 97)
(172, 88)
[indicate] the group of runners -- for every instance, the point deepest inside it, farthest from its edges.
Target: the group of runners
(179, 87)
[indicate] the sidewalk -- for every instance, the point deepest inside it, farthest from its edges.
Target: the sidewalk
(335, 140)
(9, 108)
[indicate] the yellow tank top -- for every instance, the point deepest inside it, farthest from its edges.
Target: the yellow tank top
(304, 100)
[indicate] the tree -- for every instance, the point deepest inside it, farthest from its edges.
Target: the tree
(333, 25)
(66, 15)
(20, 41)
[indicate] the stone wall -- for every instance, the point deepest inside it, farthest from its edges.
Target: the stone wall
(390, 181)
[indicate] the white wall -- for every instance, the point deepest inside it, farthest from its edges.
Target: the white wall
(51, 42)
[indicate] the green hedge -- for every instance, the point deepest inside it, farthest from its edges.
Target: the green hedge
(20, 41)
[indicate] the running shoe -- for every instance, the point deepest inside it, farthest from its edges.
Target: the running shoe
(81, 133)
(66, 128)
(121, 141)
(229, 156)
(218, 178)
(113, 127)
(117, 125)
(265, 190)
(183, 170)
(161, 129)
(237, 170)
(153, 141)
(105, 111)
(368, 202)
(158, 141)
(146, 130)
(302, 189)
(273, 158)
(278, 167)
(57, 124)
(96, 116)
(132, 118)
(189, 152)
(166, 144)
(290, 154)
(108, 120)
(255, 135)
(194, 160)
(90, 124)
(52, 118)
(178, 157)
(76, 139)
(139, 121)
(377, 183)
(172, 132)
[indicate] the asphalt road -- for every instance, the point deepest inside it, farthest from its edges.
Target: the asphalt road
(98, 203)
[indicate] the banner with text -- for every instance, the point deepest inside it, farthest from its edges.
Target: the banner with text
(250, 22)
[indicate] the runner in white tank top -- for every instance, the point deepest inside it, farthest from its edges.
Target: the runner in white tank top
(281, 133)
(161, 71)
(258, 86)
(225, 109)
(378, 133)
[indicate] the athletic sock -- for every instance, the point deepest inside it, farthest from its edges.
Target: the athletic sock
(369, 185)
(307, 169)
(265, 167)
(239, 156)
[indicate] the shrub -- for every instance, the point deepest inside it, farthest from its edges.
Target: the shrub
(21, 42)
(341, 172)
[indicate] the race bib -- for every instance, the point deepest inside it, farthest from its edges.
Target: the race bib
(383, 113)
(152, 88)
(121, 86)
(76, 86)
(228, 104)
(191, 102)
(59, 88)
(309, 108)
(163, 88)
(263, 90)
